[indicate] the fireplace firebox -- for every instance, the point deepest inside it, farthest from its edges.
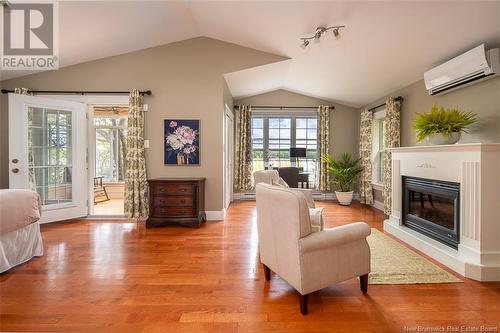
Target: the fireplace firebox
(432, 207)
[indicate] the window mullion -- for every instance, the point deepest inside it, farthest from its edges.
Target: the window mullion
(265, 146)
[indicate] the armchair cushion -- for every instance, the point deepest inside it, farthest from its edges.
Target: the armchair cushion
(316, 215)
(334, 237)
(308, 194)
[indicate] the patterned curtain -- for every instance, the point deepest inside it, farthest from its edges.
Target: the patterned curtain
(392, 132)
(243, 170)
(136, 182)
(365, 152)
(323, 178)
(31, 156)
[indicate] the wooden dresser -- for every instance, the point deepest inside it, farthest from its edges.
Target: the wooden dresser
(176, 200)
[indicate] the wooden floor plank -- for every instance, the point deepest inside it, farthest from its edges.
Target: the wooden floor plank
(118, 276)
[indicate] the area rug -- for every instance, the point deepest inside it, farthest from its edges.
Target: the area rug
(393, 263)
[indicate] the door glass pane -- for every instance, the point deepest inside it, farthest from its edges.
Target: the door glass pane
(49, 154)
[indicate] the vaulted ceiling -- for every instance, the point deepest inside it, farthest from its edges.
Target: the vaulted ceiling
(385, 45)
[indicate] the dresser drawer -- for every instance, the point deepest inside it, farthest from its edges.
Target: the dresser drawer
(178, 200)
(173, 211)
(175, 189)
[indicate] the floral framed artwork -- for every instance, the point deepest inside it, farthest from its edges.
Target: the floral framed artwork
(182, 142)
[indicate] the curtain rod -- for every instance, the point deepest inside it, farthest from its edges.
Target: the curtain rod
(399, 99)
(62, 92)
(274, 107)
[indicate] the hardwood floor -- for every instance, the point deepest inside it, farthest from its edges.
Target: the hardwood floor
(119, 277)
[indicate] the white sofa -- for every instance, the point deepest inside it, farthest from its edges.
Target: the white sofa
(272, 177)
(20, 238)
(309, 261)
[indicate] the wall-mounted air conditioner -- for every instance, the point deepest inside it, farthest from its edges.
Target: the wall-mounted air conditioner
(468, 68)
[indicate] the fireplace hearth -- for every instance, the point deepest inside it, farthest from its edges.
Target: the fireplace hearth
(432, 207)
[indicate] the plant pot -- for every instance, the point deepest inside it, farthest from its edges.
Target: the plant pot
(344, 198)
(440, 139)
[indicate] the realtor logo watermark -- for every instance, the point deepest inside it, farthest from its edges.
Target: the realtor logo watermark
(30, 35)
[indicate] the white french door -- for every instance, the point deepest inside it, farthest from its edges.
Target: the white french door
(47, 153)
(228, 157)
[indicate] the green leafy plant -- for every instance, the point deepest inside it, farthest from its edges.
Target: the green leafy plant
(442, 121)
(343, 170)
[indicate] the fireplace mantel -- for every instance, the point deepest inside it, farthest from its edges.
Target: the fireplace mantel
(454, 147)
(476, 167)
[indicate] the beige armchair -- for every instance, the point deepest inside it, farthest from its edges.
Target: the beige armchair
(272, 177)
(309, 261)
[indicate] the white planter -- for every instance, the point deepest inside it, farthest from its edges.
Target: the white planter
(344, 198)
(440, 139)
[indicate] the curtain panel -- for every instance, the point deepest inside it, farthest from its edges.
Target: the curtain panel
(323, 146)
(136, 181)
(31, 155)
(365, 152)
(392, 134)
(243, 169)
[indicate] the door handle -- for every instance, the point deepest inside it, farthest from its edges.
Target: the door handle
(15, 170)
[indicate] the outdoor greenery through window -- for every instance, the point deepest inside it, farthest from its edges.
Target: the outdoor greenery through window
(110, 148)
(378, 148)
(273, 135)
(50, 146)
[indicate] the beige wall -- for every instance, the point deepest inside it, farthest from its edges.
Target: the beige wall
(186, 79)
(482, 98)
(344, 120)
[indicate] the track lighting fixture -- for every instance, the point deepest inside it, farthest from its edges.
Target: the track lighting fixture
(320, 31)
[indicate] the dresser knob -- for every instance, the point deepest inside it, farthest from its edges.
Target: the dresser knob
(183, 201)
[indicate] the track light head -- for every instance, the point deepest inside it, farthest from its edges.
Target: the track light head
(336, 32)
(304, 44)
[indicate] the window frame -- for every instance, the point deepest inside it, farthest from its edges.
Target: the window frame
(293, 115)
(114, 145)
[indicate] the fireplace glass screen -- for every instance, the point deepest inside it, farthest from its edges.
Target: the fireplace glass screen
(432, 208)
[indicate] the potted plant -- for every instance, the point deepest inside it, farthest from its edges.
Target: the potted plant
(343, 174)
(442, 126)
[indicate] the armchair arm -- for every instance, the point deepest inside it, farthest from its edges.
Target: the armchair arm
(333, 237)
(309, 196)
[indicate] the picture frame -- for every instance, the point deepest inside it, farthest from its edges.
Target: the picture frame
(181, 142)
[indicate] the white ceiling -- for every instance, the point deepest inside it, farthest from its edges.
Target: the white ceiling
(385, 45)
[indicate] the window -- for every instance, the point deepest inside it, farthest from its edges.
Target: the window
(378, 148)
(110, 148)
(274, 134)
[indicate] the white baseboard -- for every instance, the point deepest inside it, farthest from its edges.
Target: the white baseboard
(378, 205)
(215, 215)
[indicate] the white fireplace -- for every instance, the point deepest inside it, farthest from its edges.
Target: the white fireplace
(476, 167)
